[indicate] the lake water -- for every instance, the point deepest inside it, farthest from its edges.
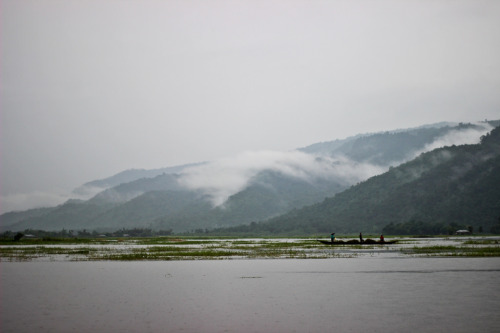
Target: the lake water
(376, 294)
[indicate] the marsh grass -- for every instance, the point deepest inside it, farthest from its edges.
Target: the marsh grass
(144, 254)
(170, 248)
(262, 252)
(455, 251)
(176, 241)
(243, 242)
(28, 253)
(481, 242)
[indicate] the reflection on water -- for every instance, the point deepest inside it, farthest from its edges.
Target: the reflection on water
(379, 294)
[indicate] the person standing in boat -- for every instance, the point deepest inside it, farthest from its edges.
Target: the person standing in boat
(332, 237)
(382, 238)
(361, 238)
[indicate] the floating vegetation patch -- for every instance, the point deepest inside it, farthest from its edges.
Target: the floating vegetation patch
(163, 248)
(481, 242)
(170, 248)
(455, 251)
(165, 253)
(19, 253)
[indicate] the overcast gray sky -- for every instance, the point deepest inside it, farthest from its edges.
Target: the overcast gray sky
(91, 88)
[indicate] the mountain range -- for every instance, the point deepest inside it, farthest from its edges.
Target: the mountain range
(286, 188)
(440, 191)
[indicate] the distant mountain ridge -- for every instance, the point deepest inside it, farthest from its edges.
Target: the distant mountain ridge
(451, 186)
(159, 200)
(341, 145)
(128, 176)
(387, 147)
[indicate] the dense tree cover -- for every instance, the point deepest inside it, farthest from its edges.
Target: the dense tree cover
(10, 218)
(451, 186)
(73, 214)
(159, 202)
(61, 234)
(386, 148)
(270, 194)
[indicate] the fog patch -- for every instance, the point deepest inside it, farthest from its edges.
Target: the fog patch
(114, 196)
(414, 172)
(352, 172)
(85, 192)
(35, 199)
(466, 136)
(222, 178)
(41, 199)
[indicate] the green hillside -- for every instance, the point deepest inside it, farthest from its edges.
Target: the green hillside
(11, 218)
(160, 201)
(270, 194)
(455, 186)
(390, 147)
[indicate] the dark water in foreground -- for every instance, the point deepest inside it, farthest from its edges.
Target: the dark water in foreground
(335, 295)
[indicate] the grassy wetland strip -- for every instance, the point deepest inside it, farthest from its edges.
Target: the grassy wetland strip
(481, 242)
(182, 248)
(20, 253)
(222, 249)
(454, 251)
(167, 249)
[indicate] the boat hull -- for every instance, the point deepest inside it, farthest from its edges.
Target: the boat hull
(357, 242)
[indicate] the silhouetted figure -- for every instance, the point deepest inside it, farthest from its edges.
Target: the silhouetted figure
(382, 238)
(332, 237)
(361, 238)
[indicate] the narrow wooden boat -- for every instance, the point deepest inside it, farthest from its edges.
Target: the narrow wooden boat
(357, 242)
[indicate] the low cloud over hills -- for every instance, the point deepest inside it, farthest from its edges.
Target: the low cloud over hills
(250, 186)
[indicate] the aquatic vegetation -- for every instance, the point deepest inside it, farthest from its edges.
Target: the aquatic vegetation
(145, 254)
(177, 248)
(481, 241)
(455, 251)
(28, 253)
(164, 248)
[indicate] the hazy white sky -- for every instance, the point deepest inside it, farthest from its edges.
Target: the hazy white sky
(91, 88)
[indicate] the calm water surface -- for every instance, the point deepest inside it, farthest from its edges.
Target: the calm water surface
(340, 295)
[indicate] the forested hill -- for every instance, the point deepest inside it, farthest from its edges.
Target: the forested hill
(178, 199)
(387, 147)
(381, 148)
(453, 186)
